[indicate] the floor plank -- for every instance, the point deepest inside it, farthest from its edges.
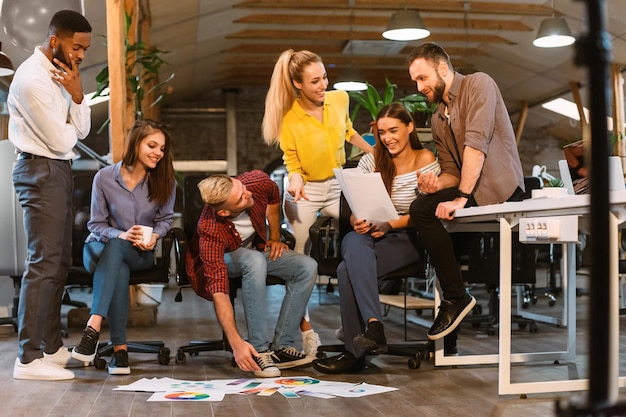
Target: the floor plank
(466, 391)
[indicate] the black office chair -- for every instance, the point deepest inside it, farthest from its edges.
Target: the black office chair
(325, 249)
(192, 209)
(79, 277)
(14, 249)
(481, 254)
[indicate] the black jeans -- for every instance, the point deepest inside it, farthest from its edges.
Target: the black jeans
(438, 241)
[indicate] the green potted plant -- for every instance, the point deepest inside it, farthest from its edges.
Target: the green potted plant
(142, 70)
(372, 101)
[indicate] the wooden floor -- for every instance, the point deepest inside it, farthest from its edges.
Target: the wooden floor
(468, 391)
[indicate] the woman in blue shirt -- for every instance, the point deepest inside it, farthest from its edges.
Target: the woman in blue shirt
(138, 191)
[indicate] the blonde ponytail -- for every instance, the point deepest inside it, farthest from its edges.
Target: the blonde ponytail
(282, 93)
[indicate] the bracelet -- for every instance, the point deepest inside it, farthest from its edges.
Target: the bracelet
(461, 194)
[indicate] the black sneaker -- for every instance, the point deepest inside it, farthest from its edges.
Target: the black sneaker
(118, 365)
(343, 363)
(268, 368)
(451, 313)
(85, 350)
(289, 357)
(373, 340)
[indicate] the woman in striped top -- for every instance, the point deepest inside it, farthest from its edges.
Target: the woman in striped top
(372, 249)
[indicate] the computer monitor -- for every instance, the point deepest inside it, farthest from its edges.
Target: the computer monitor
(574, 173)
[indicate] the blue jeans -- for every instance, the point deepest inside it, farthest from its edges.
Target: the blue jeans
(365, 259)
(298, 271)
(111, 263)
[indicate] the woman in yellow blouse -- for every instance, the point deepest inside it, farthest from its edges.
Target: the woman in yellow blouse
(311, 126)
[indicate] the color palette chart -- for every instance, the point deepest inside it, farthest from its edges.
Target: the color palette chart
(169, 389)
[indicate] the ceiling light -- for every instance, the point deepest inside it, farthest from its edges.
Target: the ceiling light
(553, 33)
(351, 80)
(406, 25)
(6, 66)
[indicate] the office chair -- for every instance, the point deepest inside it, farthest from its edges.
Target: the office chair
(323, 239)
(481, 253)
(79, 277)
(192, 209)
(13, 254)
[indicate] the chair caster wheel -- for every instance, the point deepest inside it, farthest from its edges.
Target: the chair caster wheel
(414, 363)
(99, 363)
(180, 357)
(164, 356)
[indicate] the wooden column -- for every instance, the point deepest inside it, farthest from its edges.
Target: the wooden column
(116, 32)
(584, 123)
(521, 122)
(231, 132)
(617, 104)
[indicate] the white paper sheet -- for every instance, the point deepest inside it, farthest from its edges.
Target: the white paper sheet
(366, 194)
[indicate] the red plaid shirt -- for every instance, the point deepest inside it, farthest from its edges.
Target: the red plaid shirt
(217, 235)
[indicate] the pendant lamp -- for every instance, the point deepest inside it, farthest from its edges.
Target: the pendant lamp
(406, 25)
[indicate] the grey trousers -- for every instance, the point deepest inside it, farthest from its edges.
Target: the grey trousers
(44, 189)
(364, 260)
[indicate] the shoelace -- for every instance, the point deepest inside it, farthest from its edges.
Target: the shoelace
(90, 338)
(291, 351)
(264, 360)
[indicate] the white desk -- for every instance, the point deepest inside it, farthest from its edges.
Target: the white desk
(504, 217)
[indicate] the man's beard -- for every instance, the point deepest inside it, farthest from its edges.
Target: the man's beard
(439, 89)
(60, 55)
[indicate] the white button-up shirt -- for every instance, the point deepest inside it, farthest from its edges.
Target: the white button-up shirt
(43, 118)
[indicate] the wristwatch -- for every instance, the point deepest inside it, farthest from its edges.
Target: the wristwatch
(461, 194)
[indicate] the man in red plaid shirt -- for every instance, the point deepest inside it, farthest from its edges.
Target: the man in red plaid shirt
(231, 240)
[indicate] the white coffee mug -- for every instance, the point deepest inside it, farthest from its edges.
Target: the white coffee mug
(146, 234)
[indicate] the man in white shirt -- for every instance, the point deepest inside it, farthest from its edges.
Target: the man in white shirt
(48, 114)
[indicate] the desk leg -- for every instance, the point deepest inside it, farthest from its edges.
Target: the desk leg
(504, 331)
(504, 369)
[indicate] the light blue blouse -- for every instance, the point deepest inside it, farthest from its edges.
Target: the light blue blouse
(115, 208)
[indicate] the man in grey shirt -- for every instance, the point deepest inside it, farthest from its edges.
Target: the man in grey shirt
(479, 162)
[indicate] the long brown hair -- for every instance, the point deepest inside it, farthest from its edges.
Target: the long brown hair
(382, 157)
(160, 179)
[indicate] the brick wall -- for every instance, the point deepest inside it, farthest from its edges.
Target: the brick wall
(202, 136)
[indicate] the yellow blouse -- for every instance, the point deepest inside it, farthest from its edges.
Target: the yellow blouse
(311, 148)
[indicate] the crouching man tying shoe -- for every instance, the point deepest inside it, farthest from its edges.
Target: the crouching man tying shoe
(231, 240)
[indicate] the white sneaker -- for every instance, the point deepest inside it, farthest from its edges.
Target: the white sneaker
(63, 357)
(310, 343)
(40, 370)
(267, 365)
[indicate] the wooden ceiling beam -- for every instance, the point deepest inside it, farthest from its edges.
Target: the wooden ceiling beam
(500, 8)
(361, 35)
(329, 49)
(380, 21)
